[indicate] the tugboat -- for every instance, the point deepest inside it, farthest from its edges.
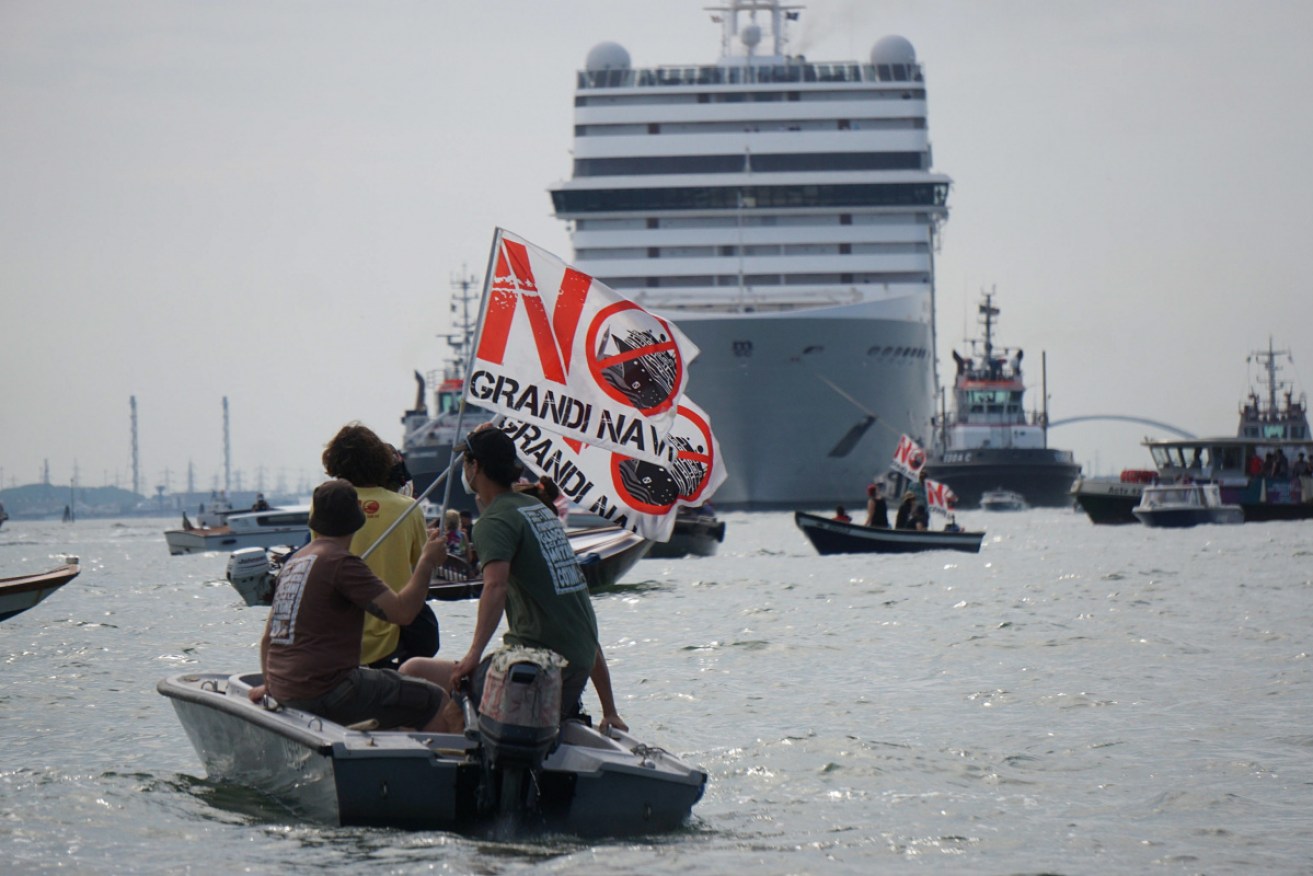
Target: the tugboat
(988, 443)
(1265, 468)
(428, 440)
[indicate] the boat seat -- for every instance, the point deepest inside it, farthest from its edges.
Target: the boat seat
(578, 733)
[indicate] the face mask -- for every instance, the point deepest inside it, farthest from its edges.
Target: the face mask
(465, 481)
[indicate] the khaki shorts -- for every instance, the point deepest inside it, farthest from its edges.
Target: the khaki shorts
(385, 695)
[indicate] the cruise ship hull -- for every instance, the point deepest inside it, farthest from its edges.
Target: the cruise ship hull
(808, 409)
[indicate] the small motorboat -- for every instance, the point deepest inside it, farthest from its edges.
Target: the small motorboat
(831, 536)
(21, 592)
(1182, 505)
(605, 553)
(497, 777)
(697, 533)
(1002, 500)
(245, 529)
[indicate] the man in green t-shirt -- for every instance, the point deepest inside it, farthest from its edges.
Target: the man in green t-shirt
(531, 575)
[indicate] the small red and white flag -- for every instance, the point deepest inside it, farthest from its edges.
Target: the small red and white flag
(939, 498)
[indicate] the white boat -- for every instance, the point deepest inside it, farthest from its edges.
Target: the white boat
(21, 592)
(783, 212)
(288, 525)
(1002, 500)
(1181, 505)
(577, 781)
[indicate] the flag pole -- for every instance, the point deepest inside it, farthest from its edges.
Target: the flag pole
(460, 412)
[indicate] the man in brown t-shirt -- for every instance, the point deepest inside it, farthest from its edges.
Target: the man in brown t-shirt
(310, 652)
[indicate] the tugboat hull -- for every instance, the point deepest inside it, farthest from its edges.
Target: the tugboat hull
(1043, 477)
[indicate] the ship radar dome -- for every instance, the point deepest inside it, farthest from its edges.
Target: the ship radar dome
(607, 56)
(893, 49)
(751, 36)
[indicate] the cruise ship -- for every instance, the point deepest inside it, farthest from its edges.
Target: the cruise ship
(783, 212)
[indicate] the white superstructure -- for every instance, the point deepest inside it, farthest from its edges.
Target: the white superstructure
(784, 213)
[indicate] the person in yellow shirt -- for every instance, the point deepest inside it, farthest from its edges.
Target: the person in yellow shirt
(358, 455)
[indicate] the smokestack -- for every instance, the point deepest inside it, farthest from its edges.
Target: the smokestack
(227, 451)
(136, 462)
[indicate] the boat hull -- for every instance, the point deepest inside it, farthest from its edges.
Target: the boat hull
(198, 541)
(836, 537)
(1043, 477)
(807, 409)
(1107, 502)
(698, 536)
(20, 593)
(590, 785)
(1181, 518)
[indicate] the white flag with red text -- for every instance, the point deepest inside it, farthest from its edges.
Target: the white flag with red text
(939, 498)
(563, 351)
(640, 496)
(909, 458)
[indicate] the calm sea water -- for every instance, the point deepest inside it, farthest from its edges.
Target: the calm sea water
(1074, 699)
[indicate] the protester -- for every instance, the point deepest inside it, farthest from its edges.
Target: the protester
(531, 575)
(457, 541)
(358, 455)
(310, 650)
(877, 509)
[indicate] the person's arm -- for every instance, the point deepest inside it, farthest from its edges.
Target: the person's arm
(401, 607)
(256, 694)
(601, 678)
(492, 604)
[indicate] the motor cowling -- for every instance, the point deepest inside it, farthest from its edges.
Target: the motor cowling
(250, 574)
(520, 711)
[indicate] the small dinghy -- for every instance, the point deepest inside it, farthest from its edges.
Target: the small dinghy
(1002, 500)
(495, 778)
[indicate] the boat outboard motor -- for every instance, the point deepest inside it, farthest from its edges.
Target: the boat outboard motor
(520, 712)
(249, 573)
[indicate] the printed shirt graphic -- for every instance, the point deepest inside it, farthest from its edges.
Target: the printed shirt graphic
(287, 600)
(561, 562)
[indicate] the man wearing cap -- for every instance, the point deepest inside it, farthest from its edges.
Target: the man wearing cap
(531, 575)
(310, 651)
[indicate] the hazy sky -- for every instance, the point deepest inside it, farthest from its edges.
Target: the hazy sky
(269, 201)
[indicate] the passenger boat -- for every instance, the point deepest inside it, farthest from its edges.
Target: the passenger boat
(491, 780)
(244, 529)
(784, 213)
(987, 442)
(1183, 505)
(1273, 424)
(1110, 500)
(21, 592)
(830, 536)
(605, 553)
(1002, 500)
